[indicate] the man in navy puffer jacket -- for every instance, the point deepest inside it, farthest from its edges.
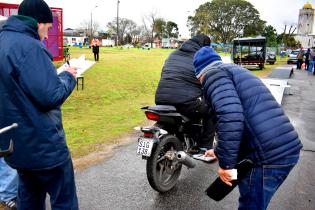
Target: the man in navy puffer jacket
(250, 125)
(31, 94)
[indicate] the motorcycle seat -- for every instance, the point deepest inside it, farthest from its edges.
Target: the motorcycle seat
(162, 108)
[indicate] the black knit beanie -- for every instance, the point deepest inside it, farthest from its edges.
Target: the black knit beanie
(201, 40)
(37, 9)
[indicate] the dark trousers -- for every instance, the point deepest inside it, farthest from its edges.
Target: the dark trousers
(58, 182)
(96, 50)
(96, 56)
(307, 62)
(299, 63)
(196, 110)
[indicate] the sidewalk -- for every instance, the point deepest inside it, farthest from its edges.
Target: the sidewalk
(300, 106)
(297, 192)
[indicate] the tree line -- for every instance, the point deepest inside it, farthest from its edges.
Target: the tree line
(222, 20)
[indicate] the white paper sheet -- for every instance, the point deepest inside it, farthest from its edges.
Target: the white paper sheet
(80, 63)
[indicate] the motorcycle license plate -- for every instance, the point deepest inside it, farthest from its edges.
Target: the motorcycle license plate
(145, 147)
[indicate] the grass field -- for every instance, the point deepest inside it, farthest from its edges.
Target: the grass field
(115, 89)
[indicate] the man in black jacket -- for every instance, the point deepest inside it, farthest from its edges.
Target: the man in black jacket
(179, 87)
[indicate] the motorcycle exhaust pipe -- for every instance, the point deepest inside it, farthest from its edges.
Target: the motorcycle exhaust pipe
(185, 159)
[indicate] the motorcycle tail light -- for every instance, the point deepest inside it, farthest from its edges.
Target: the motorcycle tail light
(152, 116)
(148, 135)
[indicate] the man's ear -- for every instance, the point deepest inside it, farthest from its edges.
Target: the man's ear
(201, 78)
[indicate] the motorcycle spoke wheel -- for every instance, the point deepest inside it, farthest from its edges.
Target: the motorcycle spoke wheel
(162, 173)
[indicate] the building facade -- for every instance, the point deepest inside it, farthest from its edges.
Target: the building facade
(305, 28)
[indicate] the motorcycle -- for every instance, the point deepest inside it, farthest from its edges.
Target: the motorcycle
(166, 145)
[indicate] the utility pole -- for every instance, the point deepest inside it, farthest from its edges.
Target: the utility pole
(91, 32)
(117, 33)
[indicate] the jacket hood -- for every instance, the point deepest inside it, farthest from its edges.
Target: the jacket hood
(21, 24)
(195, 43)
(190, 46)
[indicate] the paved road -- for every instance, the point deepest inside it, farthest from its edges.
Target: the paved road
(120, 181)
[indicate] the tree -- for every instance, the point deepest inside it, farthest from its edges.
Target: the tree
(271, 35)
(255, 29)
(165, 29)
(225, 20)
(85, 26)
(171, 30)
(159, 28)
(287, 40)
(149, 23)
(127, 27)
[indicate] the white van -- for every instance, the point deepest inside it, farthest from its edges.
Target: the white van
(146, 46)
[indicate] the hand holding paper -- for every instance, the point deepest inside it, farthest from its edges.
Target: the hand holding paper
(72, 71)
(80, 64)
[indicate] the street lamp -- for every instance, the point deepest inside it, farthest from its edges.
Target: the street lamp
(92, 22)
(117, 36)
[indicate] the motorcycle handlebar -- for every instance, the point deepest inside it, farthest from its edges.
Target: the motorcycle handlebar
(9, 151)
(5, 129)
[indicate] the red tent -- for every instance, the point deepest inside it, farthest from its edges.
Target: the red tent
(55, 35)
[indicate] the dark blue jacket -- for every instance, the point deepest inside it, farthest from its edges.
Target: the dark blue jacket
(250, 122)
(178, 84)
(31, 94)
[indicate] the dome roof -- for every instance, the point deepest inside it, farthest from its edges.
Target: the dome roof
(307, 6)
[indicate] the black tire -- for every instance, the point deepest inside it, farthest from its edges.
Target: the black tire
(159, 179)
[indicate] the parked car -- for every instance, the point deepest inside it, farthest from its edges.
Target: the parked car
(128, 46)
(271, 58)
(146, 46)
(292, 57)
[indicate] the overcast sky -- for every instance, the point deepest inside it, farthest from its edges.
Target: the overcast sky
(276, 12)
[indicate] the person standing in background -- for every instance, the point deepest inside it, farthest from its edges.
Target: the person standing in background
(95, 48)
(299, 56)
(307, 58)
(312, 61)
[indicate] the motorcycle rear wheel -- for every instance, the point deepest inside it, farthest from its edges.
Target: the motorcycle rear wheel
(160, 176)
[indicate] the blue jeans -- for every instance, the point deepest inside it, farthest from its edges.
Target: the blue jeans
(58, 182)
(8, 182)
(260, 184)
(311, 66)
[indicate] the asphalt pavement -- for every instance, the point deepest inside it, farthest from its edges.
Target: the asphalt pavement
(120, 182)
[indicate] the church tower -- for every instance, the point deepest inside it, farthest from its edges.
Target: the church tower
(306, 20)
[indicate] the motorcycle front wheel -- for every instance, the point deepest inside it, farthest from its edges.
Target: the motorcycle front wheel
(163, 173)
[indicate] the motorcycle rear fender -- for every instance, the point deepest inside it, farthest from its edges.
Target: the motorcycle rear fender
(156, 131)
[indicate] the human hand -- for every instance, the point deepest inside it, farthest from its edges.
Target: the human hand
(226, 175)
(210, 153)
(72, 71)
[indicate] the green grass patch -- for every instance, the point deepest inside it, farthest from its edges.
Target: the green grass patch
(115, 89)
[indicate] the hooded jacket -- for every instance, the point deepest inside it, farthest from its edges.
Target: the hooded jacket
(250, 122)
(31, 94)
(178, 84)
